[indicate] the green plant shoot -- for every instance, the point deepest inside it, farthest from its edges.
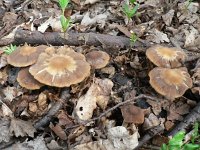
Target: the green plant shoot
(129, 11)
(63, 5)
(10, 49)
(133, 38)
(176, 143)
(132, 1)
(65, 22)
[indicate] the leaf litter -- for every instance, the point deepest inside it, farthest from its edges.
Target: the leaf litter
(100, 112)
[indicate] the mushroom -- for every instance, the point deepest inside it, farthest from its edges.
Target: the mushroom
(60, 68)
(27, 81)
(166, 57)
(171, 83)
(97, 59)
(25, 56)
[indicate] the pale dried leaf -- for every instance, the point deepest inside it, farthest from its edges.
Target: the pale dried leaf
(21, 128)
(167, 18)
(53, 145)
(98, 93)
(118, 139)
(6, 110)
(3, 61)
(4, 128)
(54, 23)
(36, 144)
(86, 21)
(190, 36)
(150, 122)
(122, 139)
(11, 93)
(157, 36)
(90, 1)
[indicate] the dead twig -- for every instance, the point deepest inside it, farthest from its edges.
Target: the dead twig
(47, 118)
(150, 134)
(111, 109)
(191, 118)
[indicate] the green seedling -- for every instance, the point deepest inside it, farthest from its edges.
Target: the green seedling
(176, 143)
(63, 5)
(132, 1)
(65, 22)
(8, 50)
(129, 10)
(133, 38)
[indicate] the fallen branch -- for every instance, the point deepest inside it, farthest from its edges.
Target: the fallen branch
(191, 118)
(149, 135)
(44, 121)
(75, 39)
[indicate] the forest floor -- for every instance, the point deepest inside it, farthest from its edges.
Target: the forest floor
(115, 106)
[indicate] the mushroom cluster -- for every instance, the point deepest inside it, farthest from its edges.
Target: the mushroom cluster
(169, 78)
(45, 65)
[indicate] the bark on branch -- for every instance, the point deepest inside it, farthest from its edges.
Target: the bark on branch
(75, 39)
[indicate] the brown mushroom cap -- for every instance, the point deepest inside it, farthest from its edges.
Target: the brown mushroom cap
(27, 81)
(25, 55)
(60, 68)
(171, 83)
(165, 57)
(97, 59)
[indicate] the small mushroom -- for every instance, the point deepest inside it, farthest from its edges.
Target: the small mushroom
(27, 81)
(166, 57)
(60, 68)
(171, 83)
(97, 59)
(25, 56)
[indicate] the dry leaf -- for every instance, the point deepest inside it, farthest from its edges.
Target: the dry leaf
(3, 76)
(157, 106)
(132, 114)
(33, 107)
(150, 122)
(6, 110)
(53, 145)
(118, 139)
(168, 125)
(64, 119)
(190, 36)
(122, 139)
(58, 131)
(90, 1)
(98, 93)
(21, 128)
(87, 21)
(37, 144)
(4, 128)
(11, 93)
(42, 100)
(108, 70)
(176, 110)
(54, 23)
(159, 140)
(3, 61)
(167, 18)
(157, 36)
